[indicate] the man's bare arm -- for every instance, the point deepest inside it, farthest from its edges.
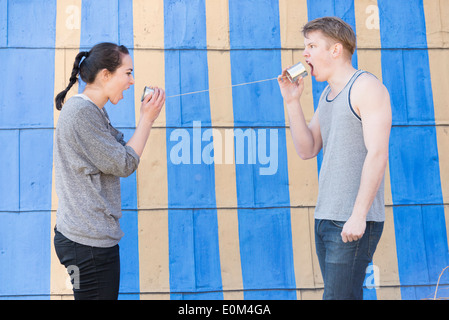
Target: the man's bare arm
(371, 100)
(306, 138)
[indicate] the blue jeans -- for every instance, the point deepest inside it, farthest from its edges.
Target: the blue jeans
(343, 265)
(95, 272)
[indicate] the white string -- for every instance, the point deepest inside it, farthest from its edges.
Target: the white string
(234, 85)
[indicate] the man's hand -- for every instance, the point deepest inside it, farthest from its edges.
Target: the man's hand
(290, 91)
(353, 229)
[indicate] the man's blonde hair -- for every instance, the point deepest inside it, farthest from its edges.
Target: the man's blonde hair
(335, 29)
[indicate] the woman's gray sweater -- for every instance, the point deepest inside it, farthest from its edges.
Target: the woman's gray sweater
(89, 157)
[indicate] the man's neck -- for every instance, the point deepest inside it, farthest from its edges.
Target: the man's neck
(340, 77)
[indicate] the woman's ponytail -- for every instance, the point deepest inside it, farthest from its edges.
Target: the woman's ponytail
(59, 100)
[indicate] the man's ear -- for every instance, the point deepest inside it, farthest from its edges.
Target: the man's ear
(337, 50)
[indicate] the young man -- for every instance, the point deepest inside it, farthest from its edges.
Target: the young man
(352, 124)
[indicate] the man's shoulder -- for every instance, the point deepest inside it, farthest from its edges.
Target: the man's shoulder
(367, 82)
(367, 87)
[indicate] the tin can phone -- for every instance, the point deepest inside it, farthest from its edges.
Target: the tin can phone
(146, 91)
(296, 71)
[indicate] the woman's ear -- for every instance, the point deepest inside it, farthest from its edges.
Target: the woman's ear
(104, 75)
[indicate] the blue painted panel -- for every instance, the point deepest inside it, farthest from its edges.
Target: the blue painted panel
(194, 251)
(369, 294)
(414, 162)
(410, 245)
(36, 158)
(411, 100)
(393, 76)
(9, 170)
(420, 107)
(26, 95)
(25, 253)
(265, 234)
(3, 23)
(270, 295)
(99, 22)
(405, 18)
(424, 292)
(442, 293)
(414, 166)
(186, 23)
(194, 258)
(434, 226)
(191, 182)
(421, 248)
(125, 23)
(185, 72)
(129, 254)
(258, 104)
(253, 106)
(254, 173)
(256, 26)
(207, 251)
(181, 248)
(428, 292)
(129, 296)
(32, 24)
(266, 251)
(197, 296)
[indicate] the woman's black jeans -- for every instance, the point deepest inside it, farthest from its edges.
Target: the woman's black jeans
(95, 272)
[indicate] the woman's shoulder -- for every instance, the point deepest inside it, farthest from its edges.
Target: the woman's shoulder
(77, 113)
(78, 106)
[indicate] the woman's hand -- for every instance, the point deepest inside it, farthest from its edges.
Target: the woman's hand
(152, 104)
(149, 111)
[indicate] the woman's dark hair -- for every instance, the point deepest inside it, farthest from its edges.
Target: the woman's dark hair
(102, 56)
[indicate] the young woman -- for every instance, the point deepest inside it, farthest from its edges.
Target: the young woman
(90, 156)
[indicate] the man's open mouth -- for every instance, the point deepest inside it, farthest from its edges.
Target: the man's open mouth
(311, 67)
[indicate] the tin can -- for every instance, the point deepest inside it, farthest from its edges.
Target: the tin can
(146, 91)
(296, 71)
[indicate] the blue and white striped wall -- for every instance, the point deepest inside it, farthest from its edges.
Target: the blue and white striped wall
(223, 230)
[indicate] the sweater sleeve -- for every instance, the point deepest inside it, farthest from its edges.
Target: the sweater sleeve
(100, 147)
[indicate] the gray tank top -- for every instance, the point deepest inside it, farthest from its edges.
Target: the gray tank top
(344, 153)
